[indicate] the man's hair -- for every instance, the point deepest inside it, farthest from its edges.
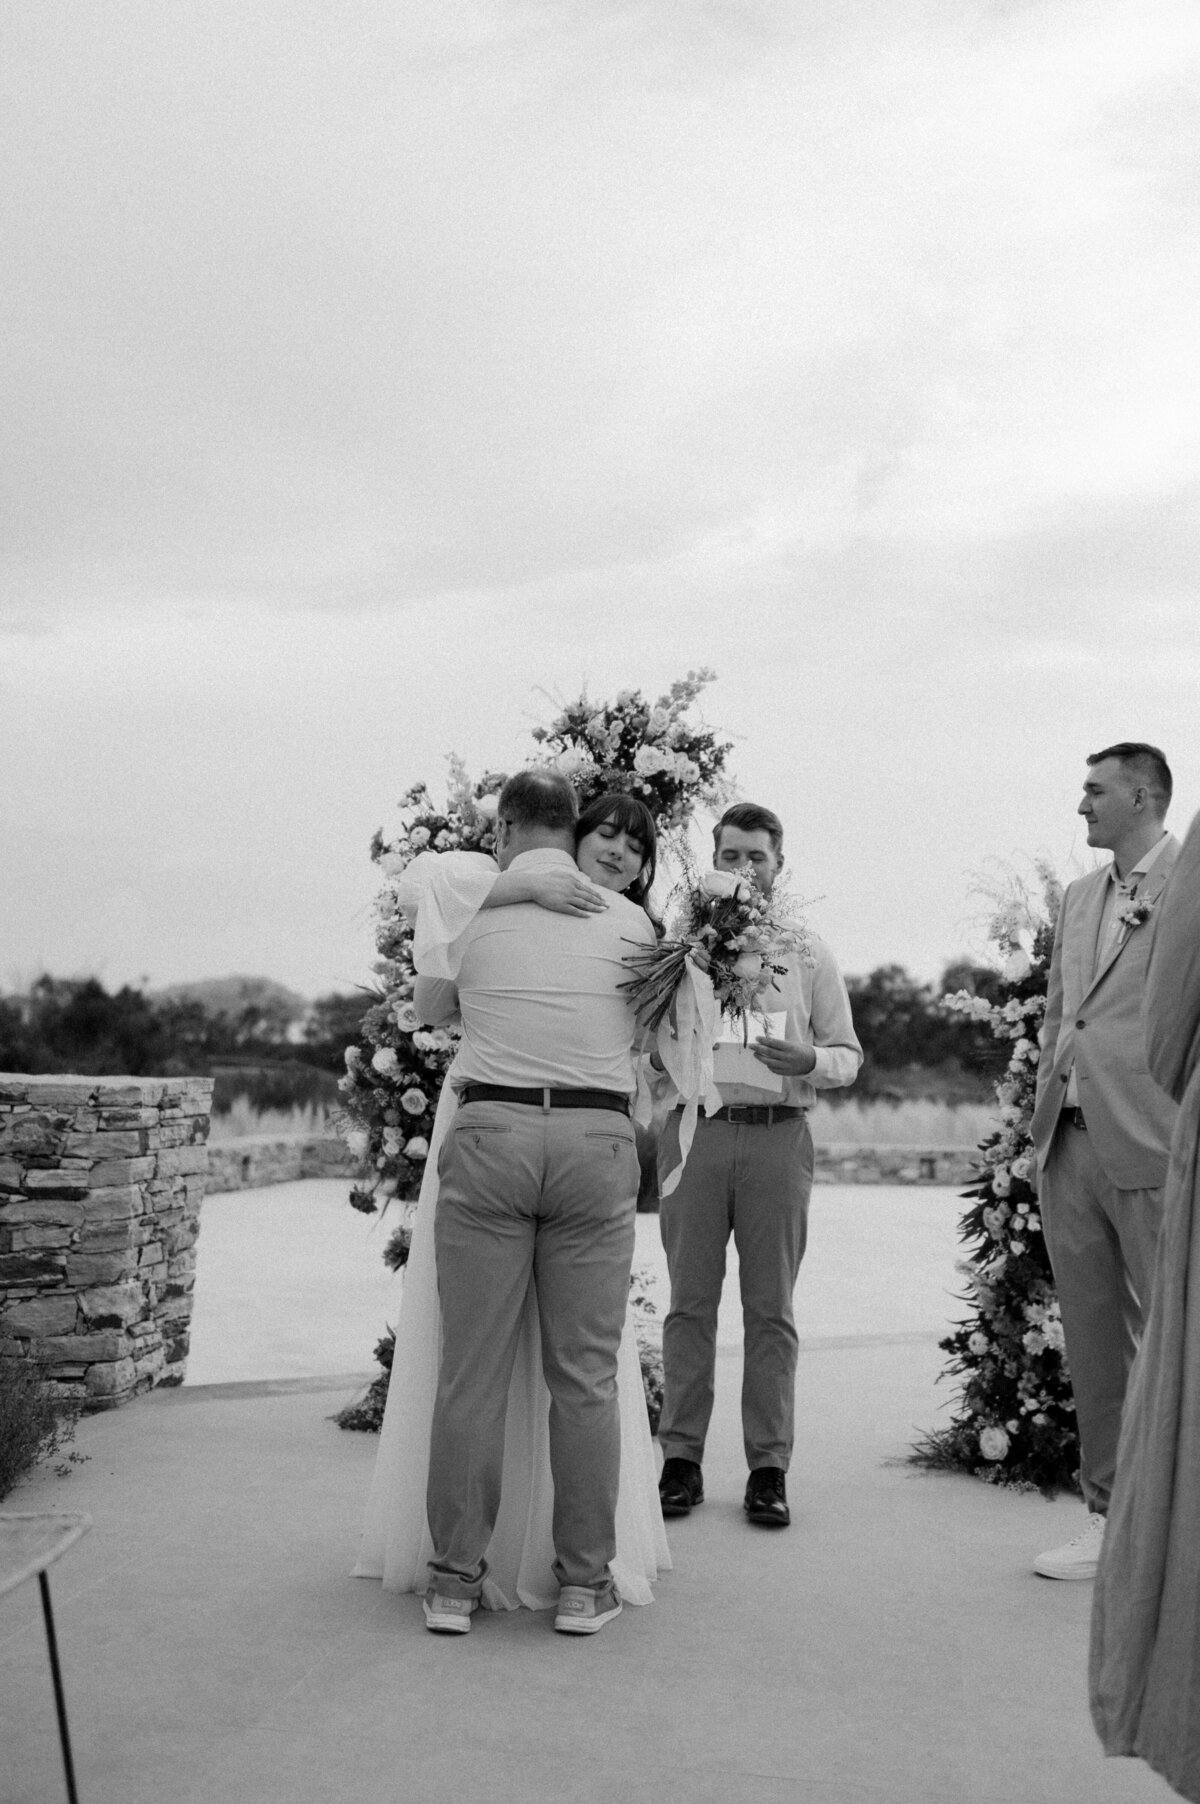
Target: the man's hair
(1146, 763)
(750, 818)
(539, 798)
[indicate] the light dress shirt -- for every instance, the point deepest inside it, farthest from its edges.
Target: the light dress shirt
(1119, 891)
(818, 1013)
(539, 993)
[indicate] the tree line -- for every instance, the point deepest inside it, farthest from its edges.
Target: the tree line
(913, 1046)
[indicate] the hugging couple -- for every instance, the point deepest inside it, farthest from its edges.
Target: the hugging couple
(515, 1463)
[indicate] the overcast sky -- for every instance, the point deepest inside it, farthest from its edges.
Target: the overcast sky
(374, 369)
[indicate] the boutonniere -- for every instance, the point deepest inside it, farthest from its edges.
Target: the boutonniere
(1134, 912)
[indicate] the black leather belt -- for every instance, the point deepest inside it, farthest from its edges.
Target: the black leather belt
(1073, 1118)
(755, 1114)
(546, 1099)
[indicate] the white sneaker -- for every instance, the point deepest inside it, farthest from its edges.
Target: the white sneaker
(1079, 1558)
(448, 1615)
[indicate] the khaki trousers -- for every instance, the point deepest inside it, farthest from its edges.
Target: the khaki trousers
(753, 1182)
(547, 1197)
(1102, 1243)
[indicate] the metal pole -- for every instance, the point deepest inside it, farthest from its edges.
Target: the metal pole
(60, 1702)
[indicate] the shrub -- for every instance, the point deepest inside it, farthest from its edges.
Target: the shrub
(34, 1421)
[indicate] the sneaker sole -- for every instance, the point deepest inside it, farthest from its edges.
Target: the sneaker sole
(446, 1625)
(1067, 1577)
(584, 1625)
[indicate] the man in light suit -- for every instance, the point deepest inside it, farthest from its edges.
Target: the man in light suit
(1101, 1126)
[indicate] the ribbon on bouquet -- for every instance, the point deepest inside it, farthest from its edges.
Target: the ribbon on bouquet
(684, 1043)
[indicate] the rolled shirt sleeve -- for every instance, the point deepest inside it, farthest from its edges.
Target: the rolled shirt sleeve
(831, 1026)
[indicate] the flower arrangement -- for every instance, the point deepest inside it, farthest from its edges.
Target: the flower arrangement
(1014, 1421)
(649, 749)
(729, 929)
(1133, 912)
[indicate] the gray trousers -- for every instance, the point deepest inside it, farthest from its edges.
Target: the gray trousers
(547, 1197)
(753, 1182)
(1102, 1243)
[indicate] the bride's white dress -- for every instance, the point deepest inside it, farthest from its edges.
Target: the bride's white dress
(395, 1541)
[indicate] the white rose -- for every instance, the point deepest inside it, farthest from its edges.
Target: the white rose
(416, 1148)
(444, 840)
(1001, 1182)
(689, 770)
(1017, 1247)
(720, 883)
(487, 806)
(648, 761)
(993, 1443)
(419, 836)
(413, 1101)
(978, 1343)
(1016, 966)
(392, 863)
(1024, 1168)
(406, 1017)
(385, 1061)
(1035, 1222)
(660, 720)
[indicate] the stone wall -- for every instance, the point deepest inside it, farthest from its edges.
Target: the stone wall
(259, 1159)
(895, 1164)
(101, 1180)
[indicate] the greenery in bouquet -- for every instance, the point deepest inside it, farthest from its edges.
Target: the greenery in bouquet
(1014, 1417)
(727, 927)
(395, 1071)
(647, 749)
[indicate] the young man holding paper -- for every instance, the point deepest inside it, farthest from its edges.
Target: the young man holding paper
(749, 1173)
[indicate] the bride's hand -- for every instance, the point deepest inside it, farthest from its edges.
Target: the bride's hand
(567, 892)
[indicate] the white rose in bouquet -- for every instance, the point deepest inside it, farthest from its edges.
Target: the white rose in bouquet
(993, 1443)
(722, 883)
(392, 863)
(648, 761)
(413, 1102)
(1017, 965)
(406, 1017)
(487, 806)
(416, 1148)
(419, 837)
(385, 1061)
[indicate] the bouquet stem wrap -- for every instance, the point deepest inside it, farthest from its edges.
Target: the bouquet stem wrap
(684, 1042)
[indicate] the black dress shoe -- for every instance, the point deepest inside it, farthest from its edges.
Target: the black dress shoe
(680, 1487)
(766, 1498)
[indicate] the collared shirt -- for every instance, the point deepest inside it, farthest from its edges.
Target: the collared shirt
(1117, 893)
(818, 1013)
(539, 993)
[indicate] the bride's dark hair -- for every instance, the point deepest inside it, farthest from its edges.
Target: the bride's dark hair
(635, 819)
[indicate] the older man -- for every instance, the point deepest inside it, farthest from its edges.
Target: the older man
(749, 1173)
(1101, 1126)
(539, 1180)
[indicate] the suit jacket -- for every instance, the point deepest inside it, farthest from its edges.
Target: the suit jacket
(1096, 1021)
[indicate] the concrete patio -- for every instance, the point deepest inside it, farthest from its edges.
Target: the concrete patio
(893, 1646)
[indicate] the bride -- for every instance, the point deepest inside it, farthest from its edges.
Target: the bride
(615, 849)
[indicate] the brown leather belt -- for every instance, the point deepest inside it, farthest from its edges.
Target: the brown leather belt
(1073, 1118)
(755, 1114)
(546, 1099)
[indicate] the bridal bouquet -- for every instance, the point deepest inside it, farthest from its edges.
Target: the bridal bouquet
(727, 929)
(730, 941)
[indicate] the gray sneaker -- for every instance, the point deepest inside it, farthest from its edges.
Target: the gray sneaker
(585, 1612)
(448, 1615)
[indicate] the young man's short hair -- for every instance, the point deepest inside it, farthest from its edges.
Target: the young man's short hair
(748, 817)
(539, 798)
(1144, 762)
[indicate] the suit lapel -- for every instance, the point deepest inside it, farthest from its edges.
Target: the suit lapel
(1149, 890)
(1090, 912)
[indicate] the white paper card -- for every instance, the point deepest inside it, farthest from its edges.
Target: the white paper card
(734, 1063)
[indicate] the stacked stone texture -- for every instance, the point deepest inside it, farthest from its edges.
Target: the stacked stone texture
(101, 1180)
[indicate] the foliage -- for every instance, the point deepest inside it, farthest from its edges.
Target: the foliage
(75, 1024)
(35, 1423)
(1015, 1416)
(913, 1046)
